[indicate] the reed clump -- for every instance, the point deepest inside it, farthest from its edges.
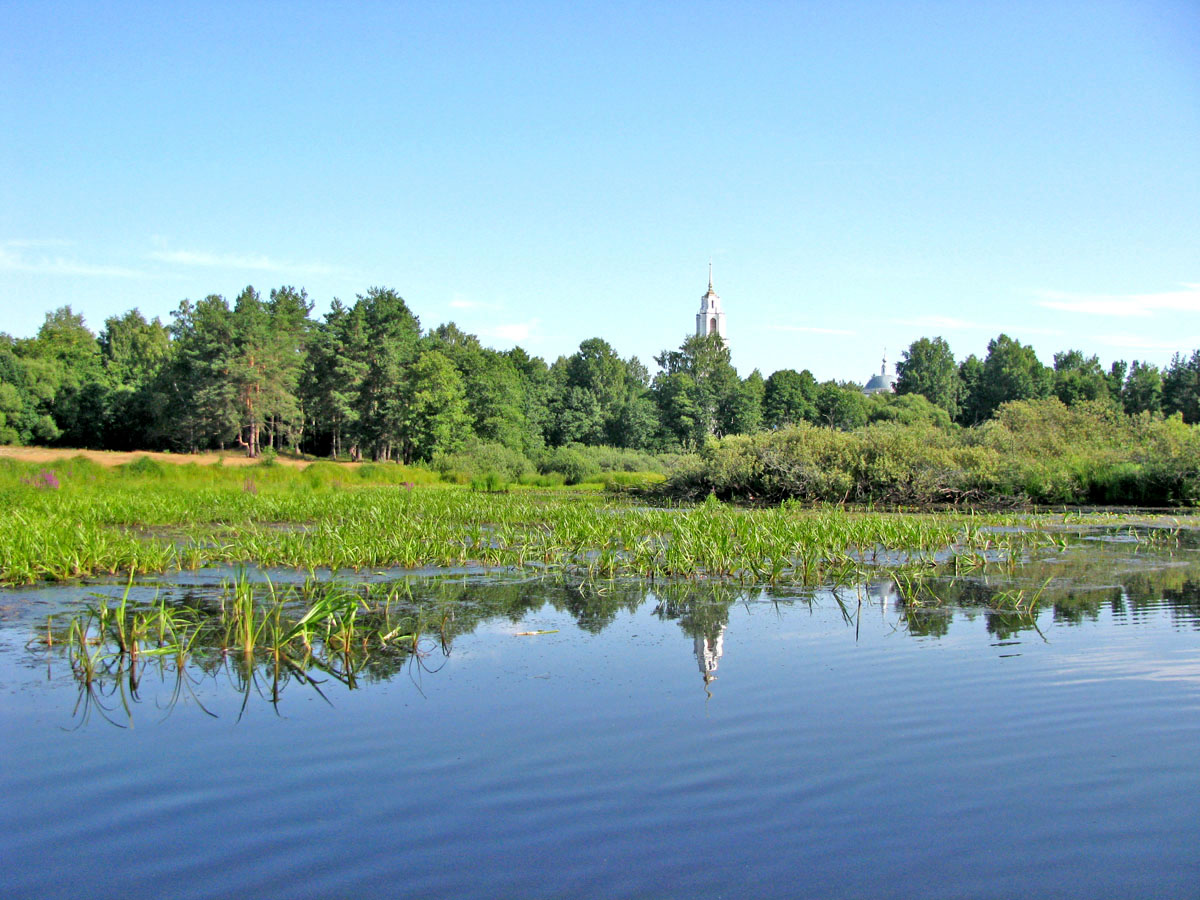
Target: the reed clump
(250, 629)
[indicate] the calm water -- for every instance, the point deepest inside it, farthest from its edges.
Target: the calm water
(834, 750)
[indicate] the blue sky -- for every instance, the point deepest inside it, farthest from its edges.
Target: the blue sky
(861, 174)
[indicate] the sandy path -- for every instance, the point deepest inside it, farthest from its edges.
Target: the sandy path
(116, 458)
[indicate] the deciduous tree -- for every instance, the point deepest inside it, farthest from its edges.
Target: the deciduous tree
(789, 397)
(438, 417)
(841, 406)
(928, 368)
(1079, 378)
(1011, 371)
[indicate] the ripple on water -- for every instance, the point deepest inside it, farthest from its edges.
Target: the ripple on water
(826, 758)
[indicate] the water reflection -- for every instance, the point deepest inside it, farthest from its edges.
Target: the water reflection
(262, 644)
(708, 653)
(703, 614)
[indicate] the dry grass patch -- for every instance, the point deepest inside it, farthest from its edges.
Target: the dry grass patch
(112, 458)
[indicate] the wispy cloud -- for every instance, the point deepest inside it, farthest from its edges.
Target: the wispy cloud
(13, 260)
(460, 302)
(515, 331)
(810, 329)
(1138, 342)
(214, 260)
(932, 324)
(943, 323)
(26, 243)
(1185, 299)
(245, 262)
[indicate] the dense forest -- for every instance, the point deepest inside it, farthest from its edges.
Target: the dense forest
(367, 382)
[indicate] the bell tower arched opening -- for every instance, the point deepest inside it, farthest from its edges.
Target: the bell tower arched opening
(711, 318)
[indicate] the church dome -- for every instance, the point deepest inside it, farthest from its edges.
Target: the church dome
(877, 385)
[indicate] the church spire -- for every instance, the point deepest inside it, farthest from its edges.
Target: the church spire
(711, 318)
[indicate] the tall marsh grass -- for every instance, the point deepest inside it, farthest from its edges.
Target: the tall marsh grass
(106, 523)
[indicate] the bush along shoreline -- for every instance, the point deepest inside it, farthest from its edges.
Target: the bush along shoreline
(1032, 453)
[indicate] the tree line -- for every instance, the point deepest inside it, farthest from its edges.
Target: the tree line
(366, 381)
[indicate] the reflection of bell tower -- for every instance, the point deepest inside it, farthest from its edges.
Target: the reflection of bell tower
(711, 318)
(708, 653)
(882, 592)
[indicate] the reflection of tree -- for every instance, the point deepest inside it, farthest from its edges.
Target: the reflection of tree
(1076, 607)
(595, 607)
(971, 592)
(365, 634)
(927, 621)
(1005, 625)
(262, 641)
(1077, 587)
(1185, 602)
(374, 631)
(927, 603)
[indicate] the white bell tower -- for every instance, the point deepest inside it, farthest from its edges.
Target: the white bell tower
(711, 318)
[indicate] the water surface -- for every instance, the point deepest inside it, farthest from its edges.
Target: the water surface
(680, 740)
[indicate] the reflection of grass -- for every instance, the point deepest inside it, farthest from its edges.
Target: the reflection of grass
(921, 590)
(1020, 600)
(262, 637)
(253, 630)
(1076, 583)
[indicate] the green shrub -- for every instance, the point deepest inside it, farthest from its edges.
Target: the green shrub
(480, 457)
(1122, 483)
(77, 468)
(389, 473)
(621, 481)
(145, 467)
(489, 483)
(1034, 451)
(550, 479)
(571, 462)
(612, 459)
(322, 474)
